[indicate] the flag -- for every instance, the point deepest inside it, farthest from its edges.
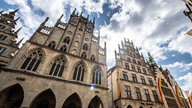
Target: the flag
(190, 99)
(189, 32)
(119, 83)
(160, 90)
(189, 96)
(178, 94)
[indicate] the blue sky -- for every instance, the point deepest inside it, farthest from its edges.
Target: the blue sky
(157, 26)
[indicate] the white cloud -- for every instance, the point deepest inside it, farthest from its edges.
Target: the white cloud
(153, 25)
(186, 82)
(179, 65)
(182, 44)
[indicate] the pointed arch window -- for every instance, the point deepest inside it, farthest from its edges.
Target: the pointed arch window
(63, 48)
(92, 58)
(97, 76)
(79, 72)
(33, 60)
(84, 55)
(52, 44)
(85, 47)
(58, 67)
(66, 40)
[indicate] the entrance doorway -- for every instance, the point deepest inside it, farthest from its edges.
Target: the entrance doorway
(46, 99)
(96, 103)
(11, 97)
(72, 101)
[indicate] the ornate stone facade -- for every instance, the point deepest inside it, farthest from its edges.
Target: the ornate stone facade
(64, 67)
(58, 67)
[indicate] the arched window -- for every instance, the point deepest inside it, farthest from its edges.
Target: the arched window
(33, 60)
(58, 67)
(139, 63)
(84, 55)
(128, 59)
(92, 58)
(66, 40)
(52, 44)
(134, 61)
(133, 67)
(96, 76)
(63, 48)
(85, 47)
(125, 76)
(79, 72)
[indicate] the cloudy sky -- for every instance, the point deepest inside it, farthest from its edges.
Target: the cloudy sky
(157, 26)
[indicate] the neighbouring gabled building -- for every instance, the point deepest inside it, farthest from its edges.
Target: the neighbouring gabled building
(136, 83)
(131, 83)
(58, 67)
(8, 36)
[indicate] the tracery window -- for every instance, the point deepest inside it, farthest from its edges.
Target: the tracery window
(79, 72)
(66, 40)
(58, 67)
(52, 44)
(97, 76)
(33, 60)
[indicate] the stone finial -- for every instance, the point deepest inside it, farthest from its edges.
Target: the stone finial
(43, 23)
(60, 17)
(20, 42)
(93, 20)
(1, 12)
(74, 11)
(18, 30)
(87, 17)
(81, 13)
(17, 19)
